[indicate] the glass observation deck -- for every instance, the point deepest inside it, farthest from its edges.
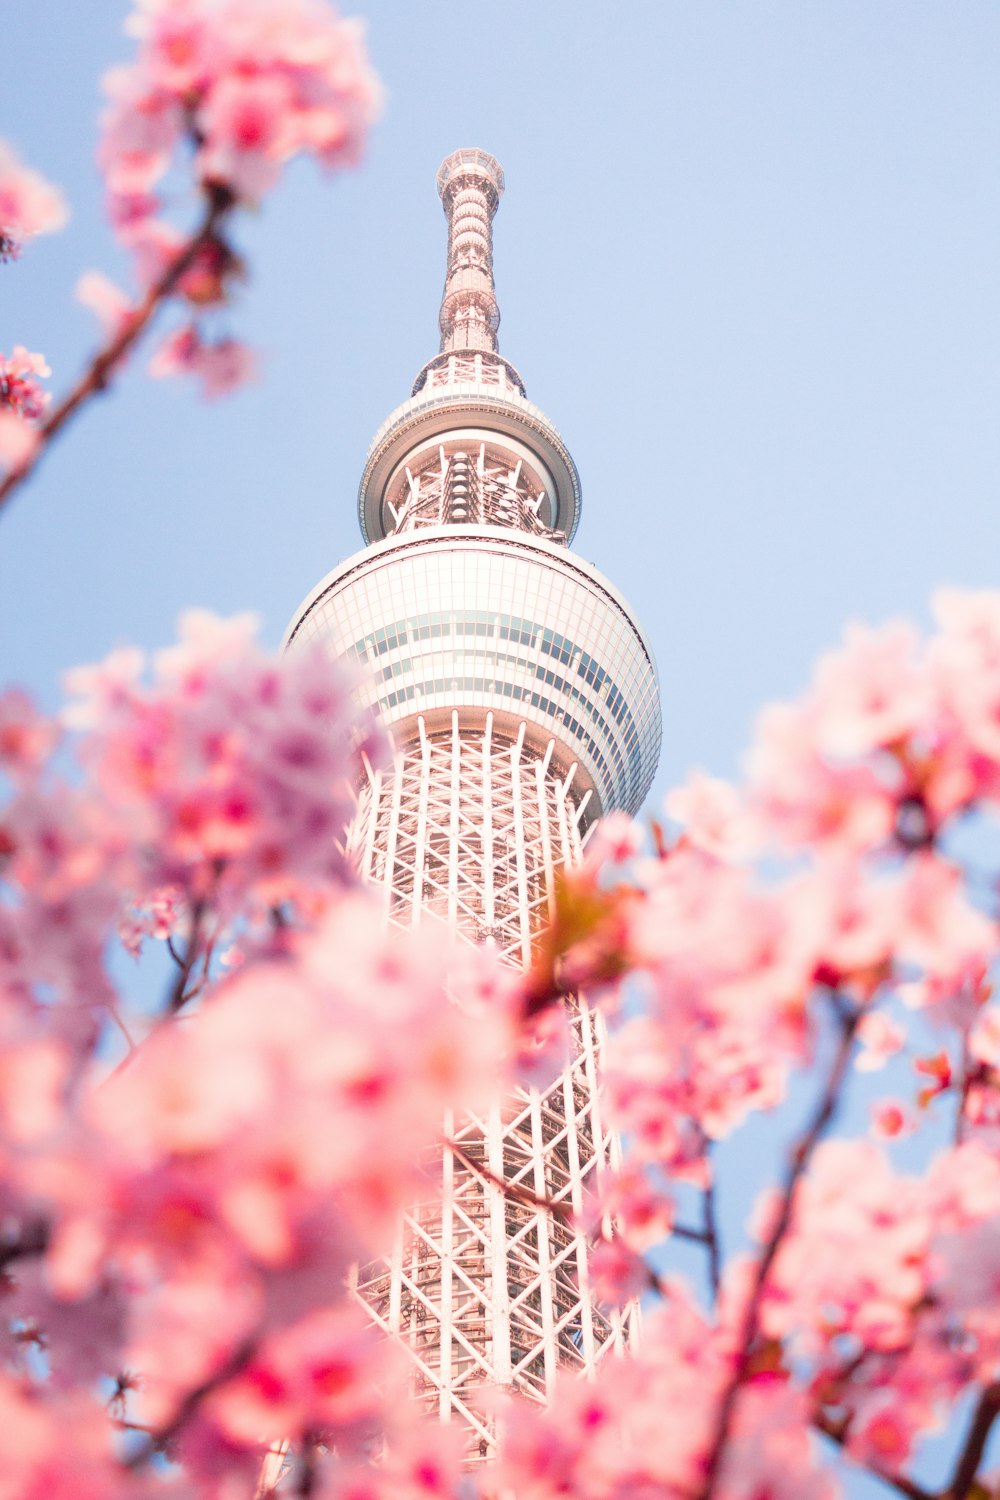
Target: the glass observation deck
(485, 620)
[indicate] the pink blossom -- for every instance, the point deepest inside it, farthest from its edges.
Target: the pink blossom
(321, 1375)
(847, 921)
(804, 799)
(18, 442)
(185, 48)
(228, 771)
(246, 125)
(20, 392)
(108, 302)
(984, 1041)
(880, 1037)
(629, 1204)
(616, 839)
(27, 737)
(254, 82)
(617, 1273)
(28, 204)
(772, 1453)
(63, 1447)
(966, 658)
(940, 929)
(857, 1261)
(873, 692)
(883, 1438)
(891, 1119)
(712, 816)
(160, 916)
(222, 366)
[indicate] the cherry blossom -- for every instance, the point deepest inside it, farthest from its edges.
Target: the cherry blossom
(105, 300)
(221, 366)
(20, 392)
(23, 403)
(881, 1039)
(225, 771)
(28, 204)
(249, 84)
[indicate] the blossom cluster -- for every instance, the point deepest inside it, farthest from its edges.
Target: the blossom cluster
(242, 87)
(217, 791)
(28, 206)
(22, 404)
(817, 915)
(861, 785)
(644, 1425)
(179, 1226)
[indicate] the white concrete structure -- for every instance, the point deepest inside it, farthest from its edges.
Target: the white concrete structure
(523, 703)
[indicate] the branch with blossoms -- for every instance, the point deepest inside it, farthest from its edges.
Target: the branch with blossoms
(25, 445)
(749, 1322)
(230, 91)
(868, 1302)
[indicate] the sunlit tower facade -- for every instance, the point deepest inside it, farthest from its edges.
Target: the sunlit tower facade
(522, 700)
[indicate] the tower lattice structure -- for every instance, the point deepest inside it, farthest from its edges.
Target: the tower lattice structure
(522, 700)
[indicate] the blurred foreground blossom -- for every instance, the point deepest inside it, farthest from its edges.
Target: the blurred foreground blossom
(28, 204)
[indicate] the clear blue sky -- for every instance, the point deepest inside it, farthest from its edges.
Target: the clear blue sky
(748, 261)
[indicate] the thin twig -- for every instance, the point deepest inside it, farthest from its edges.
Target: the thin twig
(795, 1170)
(983, 1418)
(305, 1480)
(686, 1232)
(97, 374)
(965, 1084)
(510, 1189)
(33, 1240)
(710, 1235)
(178, 995)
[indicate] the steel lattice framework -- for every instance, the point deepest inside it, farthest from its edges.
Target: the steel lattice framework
(484, 1285)
(523, 703)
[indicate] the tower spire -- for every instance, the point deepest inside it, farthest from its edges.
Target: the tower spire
(470, 183)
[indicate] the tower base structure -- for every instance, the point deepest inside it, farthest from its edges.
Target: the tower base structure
(488, 1281)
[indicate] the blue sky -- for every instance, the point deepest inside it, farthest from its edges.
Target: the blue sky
(748, 262)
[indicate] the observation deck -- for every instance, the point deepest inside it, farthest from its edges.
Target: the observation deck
(482, 619)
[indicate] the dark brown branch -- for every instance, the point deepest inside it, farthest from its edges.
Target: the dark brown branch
(179, 994)
(305, 1480)
(983, 1418)
(98, 373)
(794, 1172)
(710, 1235)
(33, 1240)
(510, 1189)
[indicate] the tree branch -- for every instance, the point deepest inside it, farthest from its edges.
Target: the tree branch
(983, 1418)
(97, 374)
(710, 1236)
(33, 1240)
(795, 1170)
(178, 995)
(510, 1189)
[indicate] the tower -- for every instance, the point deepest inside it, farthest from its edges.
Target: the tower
(522, 700)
